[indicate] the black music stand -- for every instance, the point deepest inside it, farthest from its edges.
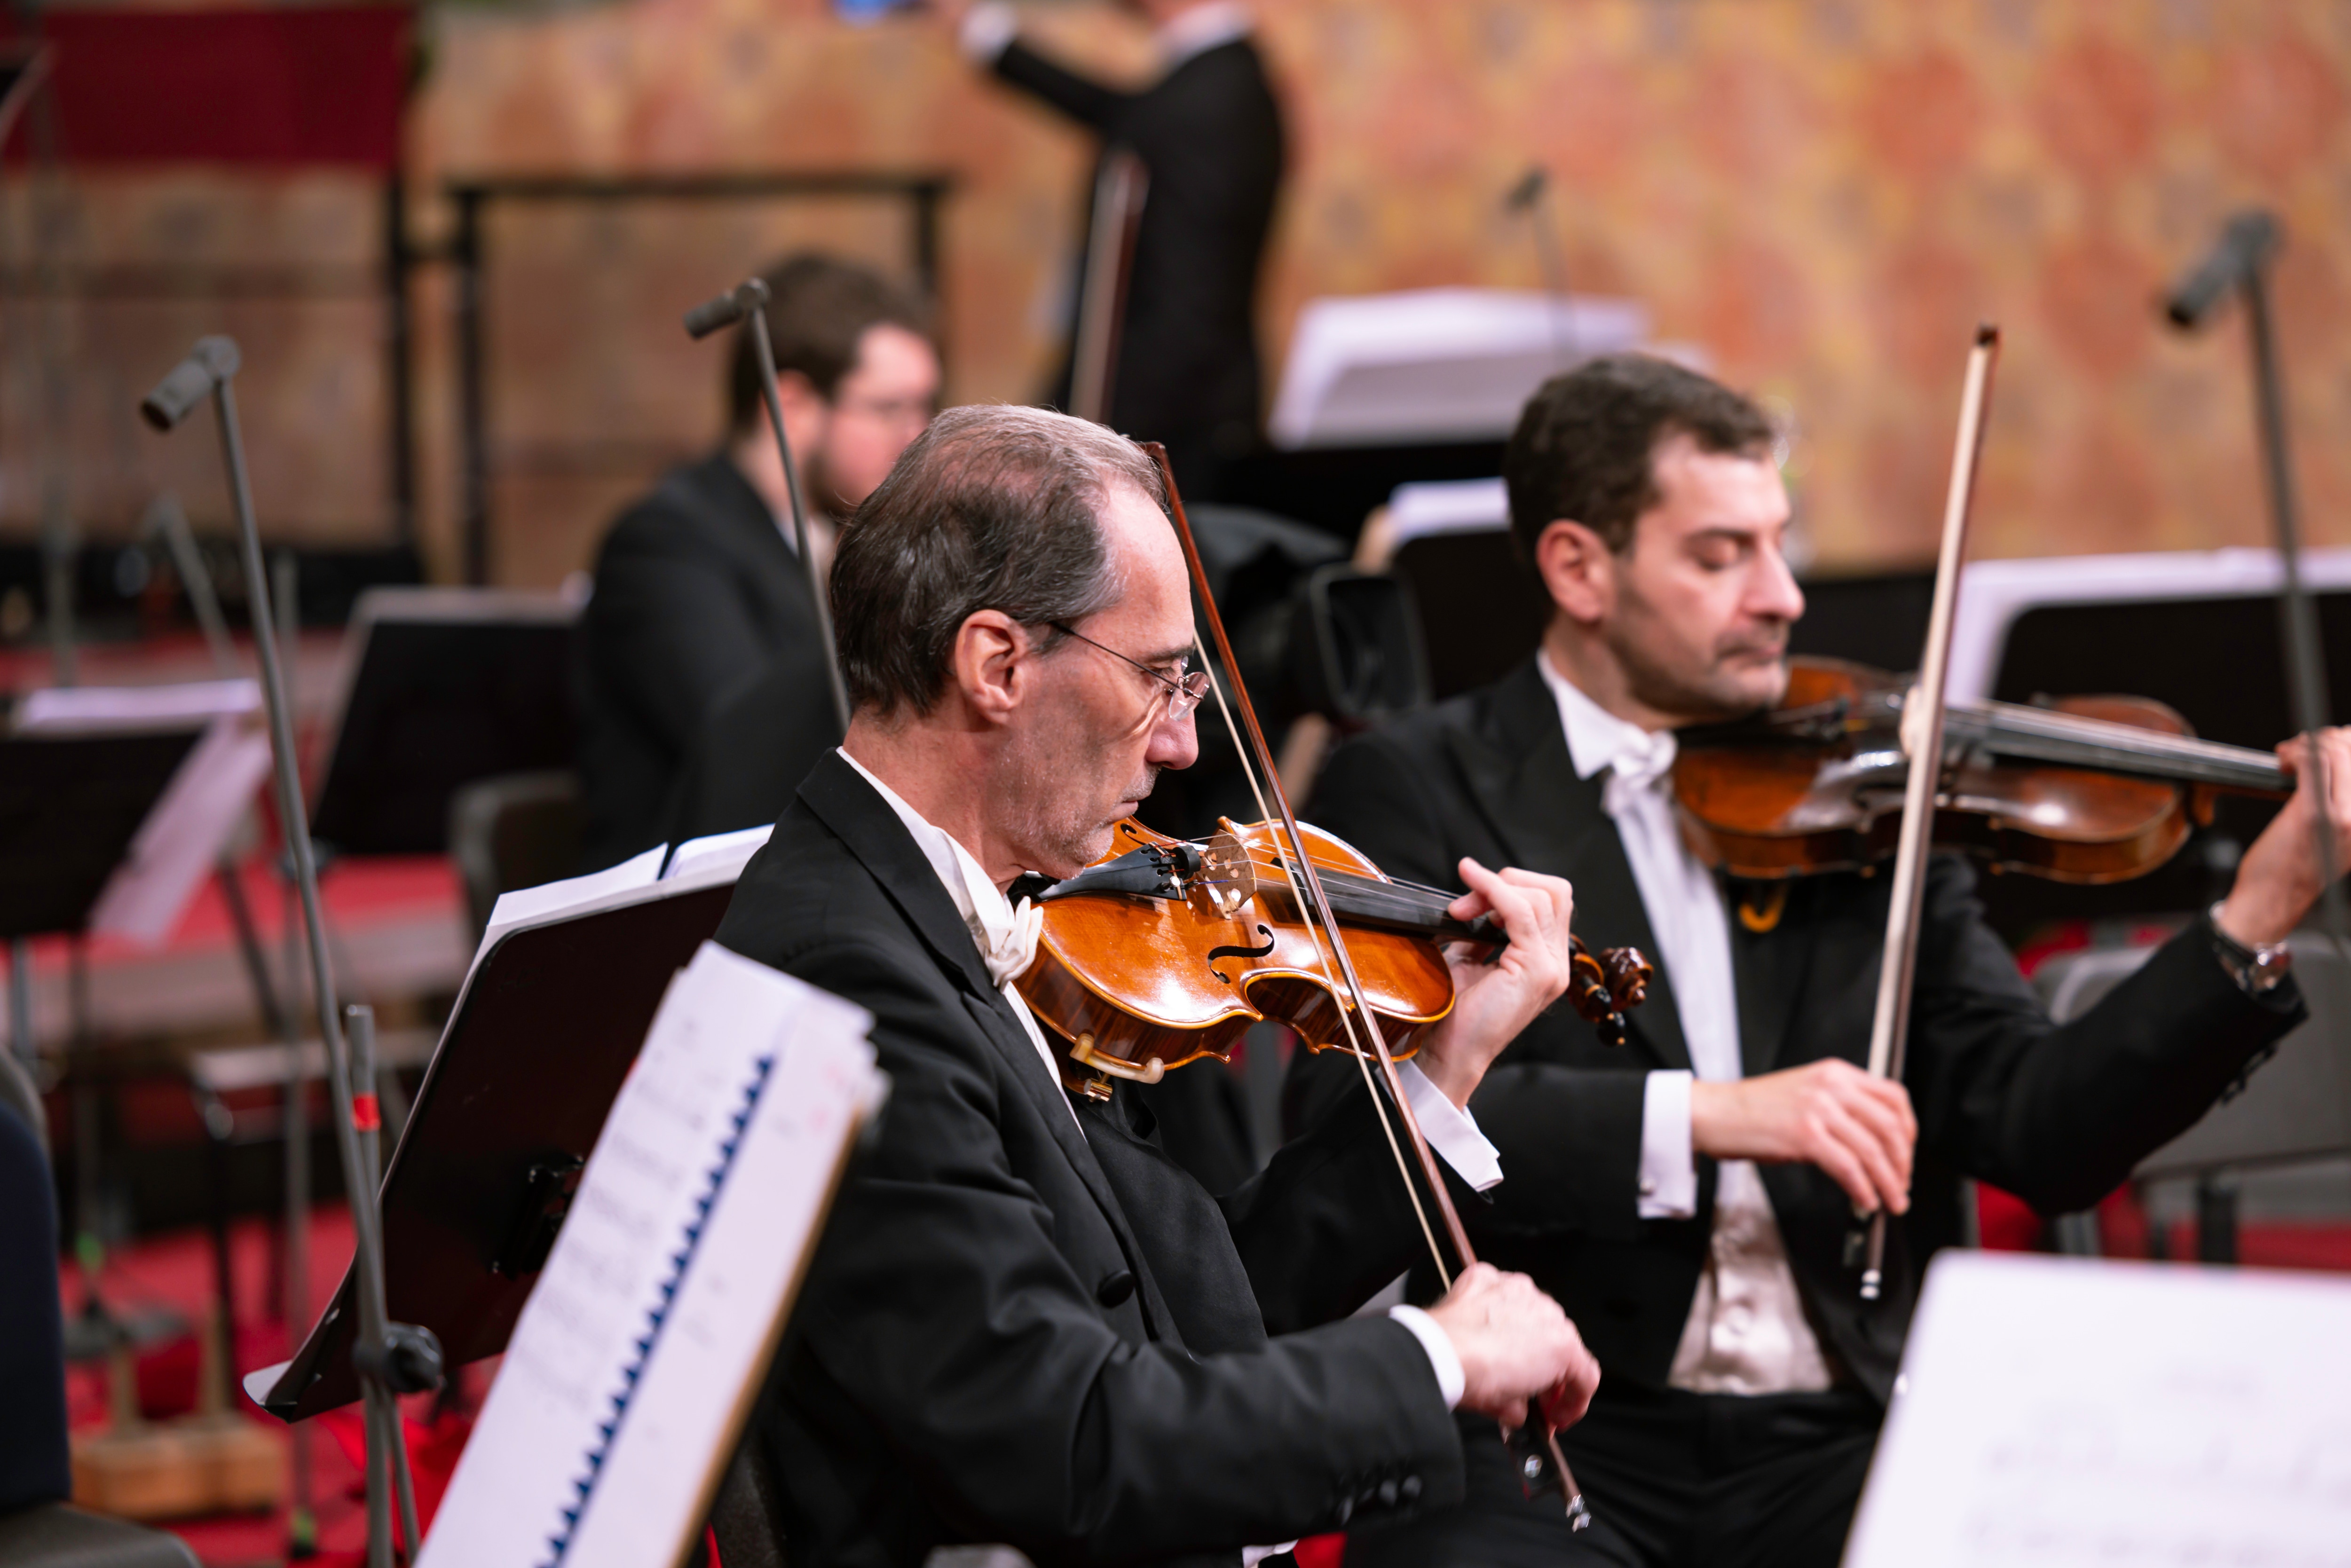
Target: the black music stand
(544, 1032)
(70, 808)
(442, 688)
(73, 803)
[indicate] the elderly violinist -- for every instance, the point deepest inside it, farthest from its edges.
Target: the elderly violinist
(1689, 1196)
(1027, 1325)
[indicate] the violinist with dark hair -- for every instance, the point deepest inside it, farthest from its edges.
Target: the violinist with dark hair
(1689, 1196)
(1026, 1324)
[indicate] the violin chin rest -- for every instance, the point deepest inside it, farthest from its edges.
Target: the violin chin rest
(1082, 1049)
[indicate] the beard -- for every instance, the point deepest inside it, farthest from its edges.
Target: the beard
(1741, 672)
(1061, 822)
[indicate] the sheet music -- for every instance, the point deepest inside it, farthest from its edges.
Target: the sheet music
(2065, 1411)
(183, 837)
(571, 895)
(733, 850)
(637, 1357)
(1430, 506)
(101, 710)
(1435, 364)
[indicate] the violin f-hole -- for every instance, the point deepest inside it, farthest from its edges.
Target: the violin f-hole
(1237, 952)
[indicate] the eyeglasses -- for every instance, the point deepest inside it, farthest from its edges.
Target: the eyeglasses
(1186, 692)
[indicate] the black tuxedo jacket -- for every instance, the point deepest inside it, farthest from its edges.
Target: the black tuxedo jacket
(2056, 1115)
(697, 593)
(1018, 1331)
(1209, 132)
(755, 746)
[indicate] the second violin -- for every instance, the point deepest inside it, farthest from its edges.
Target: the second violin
(2085, 789)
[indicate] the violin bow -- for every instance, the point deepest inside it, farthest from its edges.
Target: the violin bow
(1922, 740)
(1257, 759)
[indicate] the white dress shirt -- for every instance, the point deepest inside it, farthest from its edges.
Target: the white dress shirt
(1007, 939)
(988, 30)
(1747, 1332)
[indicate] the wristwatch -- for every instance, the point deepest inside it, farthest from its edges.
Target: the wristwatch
(2256, 970)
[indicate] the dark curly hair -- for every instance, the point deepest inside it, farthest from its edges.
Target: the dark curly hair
(1586, 442)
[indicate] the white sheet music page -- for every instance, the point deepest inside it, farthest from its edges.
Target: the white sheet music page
(183, 837)
(2063, 1411)
(637, 1357)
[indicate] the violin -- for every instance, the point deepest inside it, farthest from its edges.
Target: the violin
(1166, 951)
(2084, 789)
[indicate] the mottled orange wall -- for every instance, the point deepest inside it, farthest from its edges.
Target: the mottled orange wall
(1826, 195)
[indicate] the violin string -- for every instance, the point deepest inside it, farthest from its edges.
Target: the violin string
(1339, 1002)
(2107, 740)
(1372, 899)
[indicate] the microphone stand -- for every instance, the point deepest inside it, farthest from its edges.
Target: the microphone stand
(2241, 260)
(748, 302)
(391, 1359)
(1532, 195)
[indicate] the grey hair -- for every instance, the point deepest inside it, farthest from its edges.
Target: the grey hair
(991, 508)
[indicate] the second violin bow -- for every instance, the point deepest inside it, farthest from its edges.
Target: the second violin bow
(1922, 739)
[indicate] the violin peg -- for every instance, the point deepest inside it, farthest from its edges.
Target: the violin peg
(1610, 1026)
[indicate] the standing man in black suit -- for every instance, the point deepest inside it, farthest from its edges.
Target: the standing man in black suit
(1209, 133)
(1688, 1196)
(1026, 1324)
(699, 587)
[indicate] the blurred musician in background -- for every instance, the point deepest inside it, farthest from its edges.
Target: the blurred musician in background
(1026, 1323)
(699, 587)
(1688, 1196)
(1209, 133)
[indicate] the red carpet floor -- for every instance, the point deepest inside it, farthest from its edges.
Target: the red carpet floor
(175, 1270)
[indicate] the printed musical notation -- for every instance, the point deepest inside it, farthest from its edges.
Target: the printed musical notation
(2063, 1412)
(628, 1375)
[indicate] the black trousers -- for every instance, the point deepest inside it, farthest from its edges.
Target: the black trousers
(1673, 1480)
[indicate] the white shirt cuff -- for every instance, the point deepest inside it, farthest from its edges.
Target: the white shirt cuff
(1451, 1131)
(1669, 1170)
(987, 32)
(1442, 1359)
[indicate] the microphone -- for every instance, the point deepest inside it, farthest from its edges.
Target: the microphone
(2249, 241)
(212, 362)
(1527, 191)
(727, 308)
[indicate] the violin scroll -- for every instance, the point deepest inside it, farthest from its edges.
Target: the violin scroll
(1602, 988)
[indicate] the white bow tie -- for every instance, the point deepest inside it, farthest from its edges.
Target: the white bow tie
(1010, 952)
(1636, 772)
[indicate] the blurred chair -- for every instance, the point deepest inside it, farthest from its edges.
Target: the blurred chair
(2292, 1107)
(39, 1529)
(517, 830)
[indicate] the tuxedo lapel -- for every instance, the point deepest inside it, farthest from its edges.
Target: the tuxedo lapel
(1518, 768)
(874, 833)
(993, 1016)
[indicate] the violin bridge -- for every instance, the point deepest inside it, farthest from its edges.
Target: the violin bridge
(1225, 879)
